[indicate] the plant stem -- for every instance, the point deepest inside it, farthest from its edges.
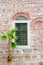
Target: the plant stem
(9, 58)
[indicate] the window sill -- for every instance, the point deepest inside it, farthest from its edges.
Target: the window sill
(24, 47)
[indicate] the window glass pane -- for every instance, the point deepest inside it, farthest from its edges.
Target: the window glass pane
(18, 41)
(18, 34)
(23, 35)
(24, 27)
(24, 42)
(24, 38)
(18, 26)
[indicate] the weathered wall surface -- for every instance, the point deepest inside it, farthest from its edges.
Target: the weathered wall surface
(8, 12)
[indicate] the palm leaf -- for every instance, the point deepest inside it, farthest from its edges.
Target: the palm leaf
(14, 37)
(13, 45)
(3, 37)
(11, 32)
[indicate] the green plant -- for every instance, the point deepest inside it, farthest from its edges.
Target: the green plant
(10, 35)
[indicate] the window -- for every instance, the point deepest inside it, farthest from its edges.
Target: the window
(21, 33)
(20, 18)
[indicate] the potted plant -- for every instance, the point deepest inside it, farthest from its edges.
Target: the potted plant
(10, 35)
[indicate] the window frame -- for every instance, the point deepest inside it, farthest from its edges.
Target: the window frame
(28, 31)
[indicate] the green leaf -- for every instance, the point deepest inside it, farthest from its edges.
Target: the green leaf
(11, 32)
(3, 37)
(14, 37)
(13, 45)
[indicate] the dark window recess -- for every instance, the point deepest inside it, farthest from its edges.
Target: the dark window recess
(21, 33)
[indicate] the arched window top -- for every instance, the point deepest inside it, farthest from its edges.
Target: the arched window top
(21, 16)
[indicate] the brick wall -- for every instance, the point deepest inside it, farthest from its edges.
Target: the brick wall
(33, 10)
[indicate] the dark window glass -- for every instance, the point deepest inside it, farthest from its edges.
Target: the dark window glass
(21, 33)
(24, 27)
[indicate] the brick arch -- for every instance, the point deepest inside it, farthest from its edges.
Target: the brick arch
(37, 24)
(25, 15)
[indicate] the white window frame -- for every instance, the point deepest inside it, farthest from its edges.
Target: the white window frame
(28, 31)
